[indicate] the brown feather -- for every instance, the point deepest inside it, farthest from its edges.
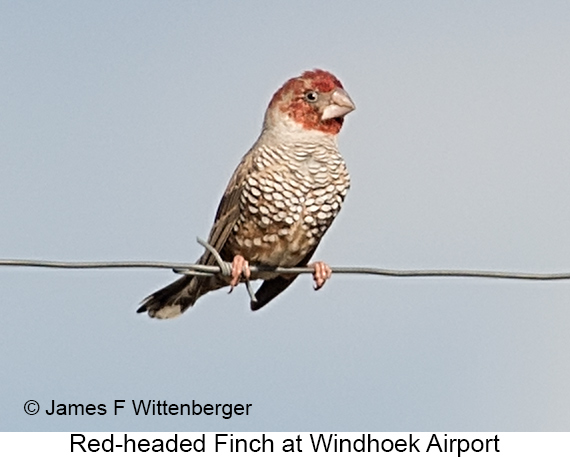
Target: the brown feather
(273, 287)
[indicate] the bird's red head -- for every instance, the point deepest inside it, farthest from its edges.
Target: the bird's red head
(316, 100)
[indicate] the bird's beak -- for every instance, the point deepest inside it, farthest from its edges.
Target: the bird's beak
(340, 105)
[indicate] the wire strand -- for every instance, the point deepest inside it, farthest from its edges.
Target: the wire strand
(222, 268)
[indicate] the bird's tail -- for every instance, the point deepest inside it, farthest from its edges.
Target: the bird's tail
(172, 300)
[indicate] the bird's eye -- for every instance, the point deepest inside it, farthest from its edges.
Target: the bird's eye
(311, 96)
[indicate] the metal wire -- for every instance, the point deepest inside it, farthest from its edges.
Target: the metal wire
(210, 270)
(225, 267)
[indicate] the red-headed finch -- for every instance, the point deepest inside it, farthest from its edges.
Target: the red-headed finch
(281, 199)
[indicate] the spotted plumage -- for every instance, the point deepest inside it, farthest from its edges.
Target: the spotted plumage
(281, 199)
(288, 200)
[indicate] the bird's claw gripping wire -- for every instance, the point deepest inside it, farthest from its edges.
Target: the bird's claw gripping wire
(321, 272)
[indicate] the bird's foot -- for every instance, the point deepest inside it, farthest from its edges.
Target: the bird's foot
(321, 272)
(240, 267)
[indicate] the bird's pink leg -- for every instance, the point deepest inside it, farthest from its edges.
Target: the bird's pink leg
(239, 266)
(321, 272)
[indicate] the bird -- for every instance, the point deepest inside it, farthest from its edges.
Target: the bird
(280, 200)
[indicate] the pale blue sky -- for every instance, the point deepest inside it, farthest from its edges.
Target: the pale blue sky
(120, 124)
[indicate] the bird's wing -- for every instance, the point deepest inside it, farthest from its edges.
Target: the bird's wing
(185, 291)
(228, 210)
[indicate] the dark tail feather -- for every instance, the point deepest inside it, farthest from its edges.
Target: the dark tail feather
(269, 290)
(172, 300)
